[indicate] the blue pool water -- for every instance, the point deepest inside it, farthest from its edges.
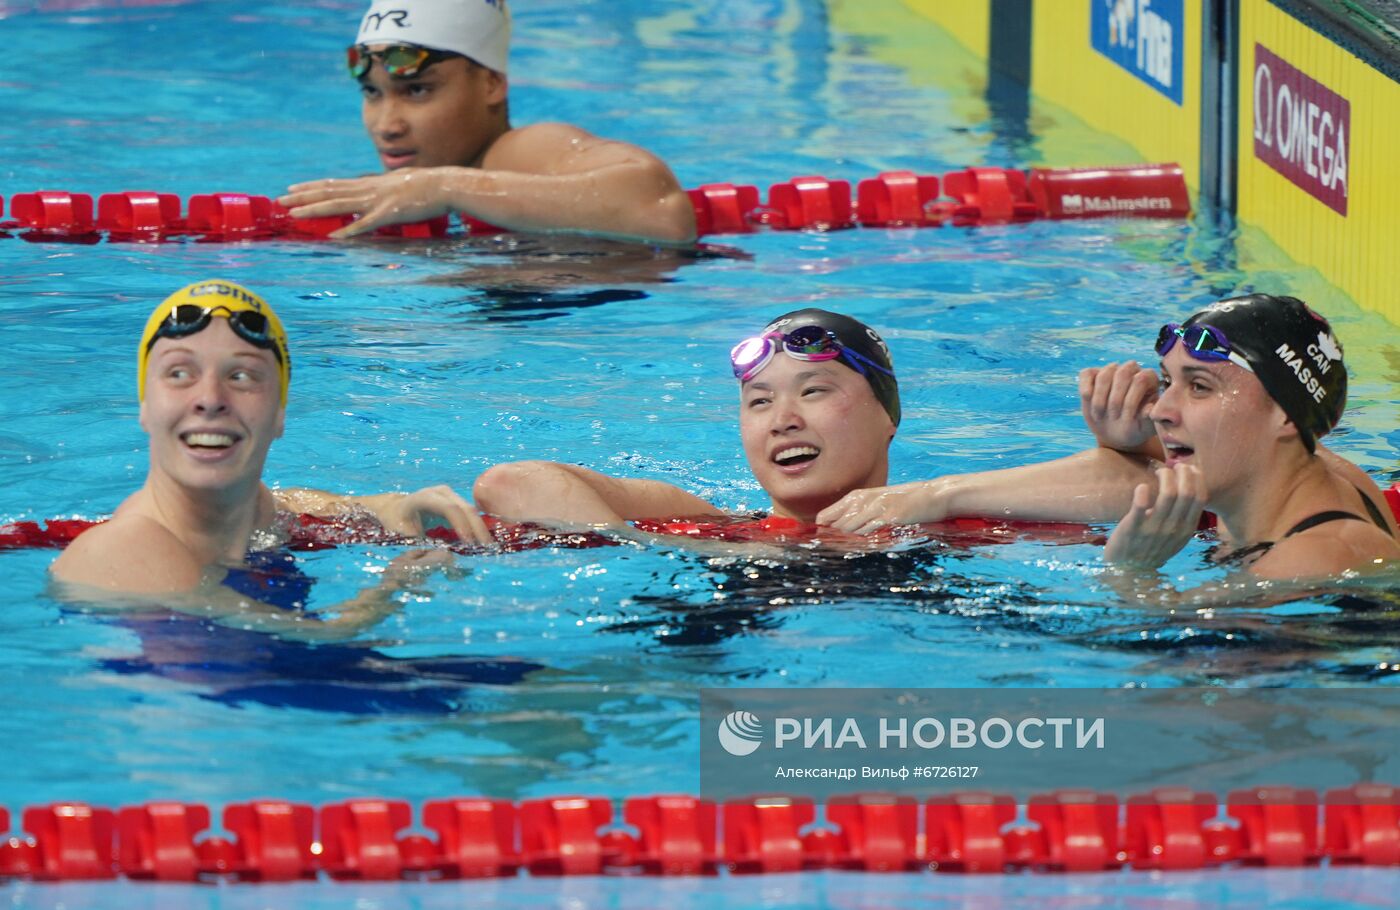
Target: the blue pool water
(575, 671)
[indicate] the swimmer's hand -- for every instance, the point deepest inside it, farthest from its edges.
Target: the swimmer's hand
(403, 196)
(1115, 400)
(414, 567)
(409, 513)
(867, 511)
(1154, 530)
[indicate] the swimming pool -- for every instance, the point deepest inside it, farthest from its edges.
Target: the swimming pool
(422, 363)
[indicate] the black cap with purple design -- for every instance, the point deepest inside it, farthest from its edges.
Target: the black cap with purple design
(858, 339)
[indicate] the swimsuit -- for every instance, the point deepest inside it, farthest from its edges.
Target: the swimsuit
(242, 666)
(1254, 551)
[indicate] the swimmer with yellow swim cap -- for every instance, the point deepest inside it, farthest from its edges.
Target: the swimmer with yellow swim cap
(214, 371)
(433, 86)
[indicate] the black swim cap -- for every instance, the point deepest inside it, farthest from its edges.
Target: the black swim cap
(858, 337)
(1294, 353)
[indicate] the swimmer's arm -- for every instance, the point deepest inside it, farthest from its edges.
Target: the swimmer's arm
(400, 513)
(1092, 486)
(546, 177)
(204, 595)
(564, 494)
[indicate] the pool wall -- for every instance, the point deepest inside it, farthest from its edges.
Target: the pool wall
(1214, 85)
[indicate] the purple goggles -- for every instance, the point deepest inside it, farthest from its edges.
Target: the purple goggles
(810, 343)
(1203, 342)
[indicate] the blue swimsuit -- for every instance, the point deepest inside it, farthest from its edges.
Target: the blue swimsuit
(241, 666)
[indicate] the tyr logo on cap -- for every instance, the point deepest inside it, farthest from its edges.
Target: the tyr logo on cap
(375, 21)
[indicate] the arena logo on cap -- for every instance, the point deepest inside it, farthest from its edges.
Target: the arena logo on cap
(1144, 37)
(1300, 129)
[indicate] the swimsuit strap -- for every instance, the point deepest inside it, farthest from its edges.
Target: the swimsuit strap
(1372, 510)
(1322, 518)
(1308, 524)
(1240, 555)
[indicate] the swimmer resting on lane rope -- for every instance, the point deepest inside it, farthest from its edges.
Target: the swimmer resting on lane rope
(1248, 386)
(433, 84)
(204, 532)
(819, 406)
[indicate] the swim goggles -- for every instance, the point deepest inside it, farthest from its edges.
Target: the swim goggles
(402, 61)
(188, 319)
(810, 343)
(1203, 342)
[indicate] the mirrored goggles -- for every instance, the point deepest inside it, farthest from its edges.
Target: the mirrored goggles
(810, 343)
(188, 319)
(402, 61)
(1203, 342)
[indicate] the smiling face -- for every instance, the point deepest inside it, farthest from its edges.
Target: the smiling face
(446, 115)
(812, 433)
(1217, 417)
(212, 409)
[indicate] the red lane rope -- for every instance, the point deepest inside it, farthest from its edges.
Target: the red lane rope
(312, 532)
(975, 196)
(475, 837)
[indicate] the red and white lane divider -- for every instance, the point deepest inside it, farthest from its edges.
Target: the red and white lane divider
(976, 196)
(376, 839)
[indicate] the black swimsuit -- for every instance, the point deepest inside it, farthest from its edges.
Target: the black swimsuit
(1253, 551)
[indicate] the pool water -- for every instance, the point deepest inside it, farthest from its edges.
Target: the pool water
(560, 671)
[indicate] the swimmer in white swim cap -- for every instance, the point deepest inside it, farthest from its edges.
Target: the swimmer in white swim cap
(433, 76)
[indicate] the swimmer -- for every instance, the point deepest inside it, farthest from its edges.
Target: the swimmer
(213, 371)
(819, 405)
(1249, 385)
(432, 75)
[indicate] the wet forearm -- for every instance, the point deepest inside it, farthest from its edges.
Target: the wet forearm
(629, 201)
(1091, 486)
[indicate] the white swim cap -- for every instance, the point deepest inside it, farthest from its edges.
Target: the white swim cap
(479, 29)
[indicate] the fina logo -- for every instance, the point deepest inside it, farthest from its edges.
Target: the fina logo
(740, 733)
(1144, 37)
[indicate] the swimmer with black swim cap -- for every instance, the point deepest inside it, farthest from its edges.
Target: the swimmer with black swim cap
(432, 75)
(819, 406)
(214, 370)
(1248, 387)
(1249, 384)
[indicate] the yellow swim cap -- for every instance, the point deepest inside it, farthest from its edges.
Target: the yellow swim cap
(189, 310)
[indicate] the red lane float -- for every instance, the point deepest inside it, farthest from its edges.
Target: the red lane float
(53, 215)
(139, 214)
(976, 196)
(989, 195)
(1363, 825)
(814, 203)
(973, 832)
(1153, 191)
(723, 208)
(1167, 829)
(899, 199)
